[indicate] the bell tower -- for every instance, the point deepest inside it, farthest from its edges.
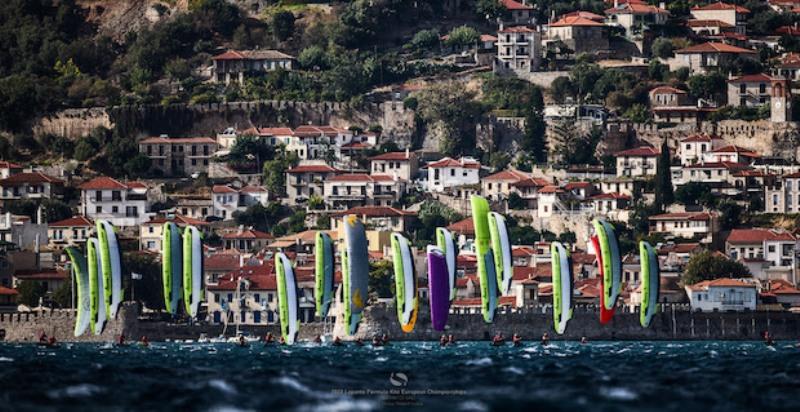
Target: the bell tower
(781, 100)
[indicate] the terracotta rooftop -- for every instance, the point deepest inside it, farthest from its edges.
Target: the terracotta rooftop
(247, 234)
(573, 21)
(464, 227)
(721, 6)
(29, 178)
(313, 169)
(252, 55)
(713, 47)
(700, 138)
(392, 156)
(507, 175)
(178, 140)
(108, 183)
(178, 220)
(667, 89)
(374, 211)
(758, 235)
(515, 5)
(721, 283)
(693, 216)
(708, 23)
(450, 162)
(644, 151)
(75, 221)
(753, 78)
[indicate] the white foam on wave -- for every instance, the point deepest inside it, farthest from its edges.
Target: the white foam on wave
(227, 408)
(479, 362)
(473, 406)
(341, 405)
(619, 394)
(222, 386)
(294, 384)
(514, 370)
(76, 391)
(381, 359)
(4, 359)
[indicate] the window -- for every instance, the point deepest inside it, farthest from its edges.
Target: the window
(116, 196)
(98, 209)
(98, 196)
(114, 209)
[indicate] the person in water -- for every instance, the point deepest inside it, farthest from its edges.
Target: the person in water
(545, 339)
(376, 341)
(42, 337)
(498, 340)
(359, 342)
(121, 340)
(318, 340)
(52, 341)
(768, 339)
(337, 341)
(584, 340)
(451, 340)
(516, 340)
(144, 342)
(281, 341)
(269, 339)
(443, 341)
(385, 339)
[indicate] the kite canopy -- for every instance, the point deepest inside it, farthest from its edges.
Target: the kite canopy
(405, 281)
(651, 279)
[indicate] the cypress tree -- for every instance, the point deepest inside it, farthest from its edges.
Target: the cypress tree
(663, 186)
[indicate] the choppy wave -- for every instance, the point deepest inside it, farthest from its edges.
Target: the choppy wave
(624, 376)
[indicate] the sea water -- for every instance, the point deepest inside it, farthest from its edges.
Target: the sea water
(562, 376)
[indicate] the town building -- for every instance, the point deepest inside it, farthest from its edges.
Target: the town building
(226, 199)
(580, 34)
(350, 190)
(449, 173)
(499, 185)
(520, 12)
(768, 253)
(708, 56)
(750, 90)
(730, 14)
(246, 240)
(722, 295)
(695, 148)
(635, 18)
(782, 195)
(31, 185)
(179, 155)
(519, 50)
(403, 165)
(637, 162)
(73, 231)
(238, 65)
(699, 226)
(9, 168)
(122, 204)
(307, 180)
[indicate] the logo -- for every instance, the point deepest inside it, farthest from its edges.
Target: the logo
(398, 379)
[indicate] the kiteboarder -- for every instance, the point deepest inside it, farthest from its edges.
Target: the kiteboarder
(516, 340)
(768, 340)
(385, 339)
(498, 340)
(337, 341)
(451, 340)
(144, 342)
(584, 341)
(443, 341)
(269, 339)
(42, 338)
(318, 340)
(359, 342)
(545, 339)
(281, 341)
(121, 340)
(243, 341)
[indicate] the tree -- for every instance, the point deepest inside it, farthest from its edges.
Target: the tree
(707, 86)
(462, 36)
(30, 292)
(708, 266)
(424, 40)
(148, 289)
(695, 193)
(562, 88)
(662, 48)
(568, 141)
(516, 202)
(62, 297)
(490, 9)
(263, 218)
(283, 25)
(731, 214)
(452, 110)
(313, 58)
(433, 214)
(663, 189)
(380, 279)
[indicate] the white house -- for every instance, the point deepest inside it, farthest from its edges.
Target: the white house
(695, 148)
(122, 204)
(640, 161)
(768, 253)
(226, 199)
(449, 173)
(691, 225)
(723, 295)
(403, 165)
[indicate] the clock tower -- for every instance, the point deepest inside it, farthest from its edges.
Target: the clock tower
(781, 100)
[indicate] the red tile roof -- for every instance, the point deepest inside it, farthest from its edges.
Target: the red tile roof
(636, 8)
(252, 55)
(374, 211)
(29, 178)
(225, 262)
(507, 175)
(722, 283)
(758, 235)
(753, 78)
(585, 14)
(260, 277)
(667, 89)
(43, 274)
(722, 6)
(736, 149)
(247, 234)
(577, 185)
(517, 29)
(313, 169)
(4, 291)
(464, 227)
(275, 131)
(108, 183)
(573, 21)
(253, 189)
(515, 5)
(551, 189)
(223, 189)
(75, 221)
(644, 151)
(708, 23)
(8, 165)
(788, 30)
(610, 196)
(700, 138)
(450, 162)
(694, 216)
(713, 47)
(532, 182)
(476, 302)
(392, 156)
(718, 165)
(178, 220)
(361, 177)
